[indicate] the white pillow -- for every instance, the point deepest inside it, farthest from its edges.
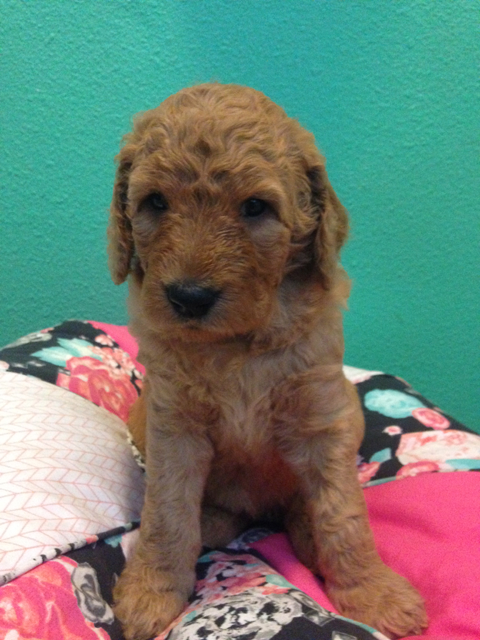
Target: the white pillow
(67, 473)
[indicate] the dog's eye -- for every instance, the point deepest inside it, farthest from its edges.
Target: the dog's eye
(253, 207)
(156, 202)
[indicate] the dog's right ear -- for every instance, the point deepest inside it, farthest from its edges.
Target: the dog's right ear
(120, 238)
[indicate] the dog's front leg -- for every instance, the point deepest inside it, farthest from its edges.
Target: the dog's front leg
(157, 581)
(330, 531)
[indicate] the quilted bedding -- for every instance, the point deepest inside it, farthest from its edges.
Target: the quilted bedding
(71, 494)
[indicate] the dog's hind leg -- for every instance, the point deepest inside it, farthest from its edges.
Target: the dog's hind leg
(332, 536)
(219, 526)
(329, 525)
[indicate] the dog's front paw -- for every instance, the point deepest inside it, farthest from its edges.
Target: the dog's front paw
(385, 601)
(146, 601)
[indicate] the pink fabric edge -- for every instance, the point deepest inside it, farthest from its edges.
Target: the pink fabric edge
(278, 552)
(426, 528)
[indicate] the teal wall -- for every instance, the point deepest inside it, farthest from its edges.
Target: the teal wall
(388, 87)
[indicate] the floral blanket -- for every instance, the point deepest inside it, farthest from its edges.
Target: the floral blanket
(71, 492)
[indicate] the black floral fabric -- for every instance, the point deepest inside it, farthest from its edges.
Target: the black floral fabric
(78, 357)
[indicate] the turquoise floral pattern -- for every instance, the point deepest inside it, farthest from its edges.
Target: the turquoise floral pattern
(66, 349)
(391, 403)
(422, 440)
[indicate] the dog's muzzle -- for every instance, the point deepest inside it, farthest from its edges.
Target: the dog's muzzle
(190, 300)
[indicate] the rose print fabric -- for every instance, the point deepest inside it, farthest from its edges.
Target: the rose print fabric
(407, 435)
(46, 604)
(80, 358)
(247, 590)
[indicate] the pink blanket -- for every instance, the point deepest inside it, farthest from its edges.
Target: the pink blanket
(428, 529)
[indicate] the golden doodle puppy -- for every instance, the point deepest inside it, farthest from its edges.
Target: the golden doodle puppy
(225, 222)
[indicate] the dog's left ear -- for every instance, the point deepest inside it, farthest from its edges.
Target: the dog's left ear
(332, 229)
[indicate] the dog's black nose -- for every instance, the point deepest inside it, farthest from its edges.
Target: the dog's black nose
(191, 300)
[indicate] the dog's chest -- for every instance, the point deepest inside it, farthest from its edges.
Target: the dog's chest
(235, 399)
(248, 473)
(244, 422)
(243, 401)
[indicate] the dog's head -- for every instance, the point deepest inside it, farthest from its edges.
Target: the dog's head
(219, 198)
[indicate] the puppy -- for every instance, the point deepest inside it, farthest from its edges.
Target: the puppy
(225, 222)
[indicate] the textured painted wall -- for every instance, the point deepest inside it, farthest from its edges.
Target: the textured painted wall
(390, 90)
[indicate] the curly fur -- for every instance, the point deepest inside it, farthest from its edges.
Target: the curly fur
(245, 412)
